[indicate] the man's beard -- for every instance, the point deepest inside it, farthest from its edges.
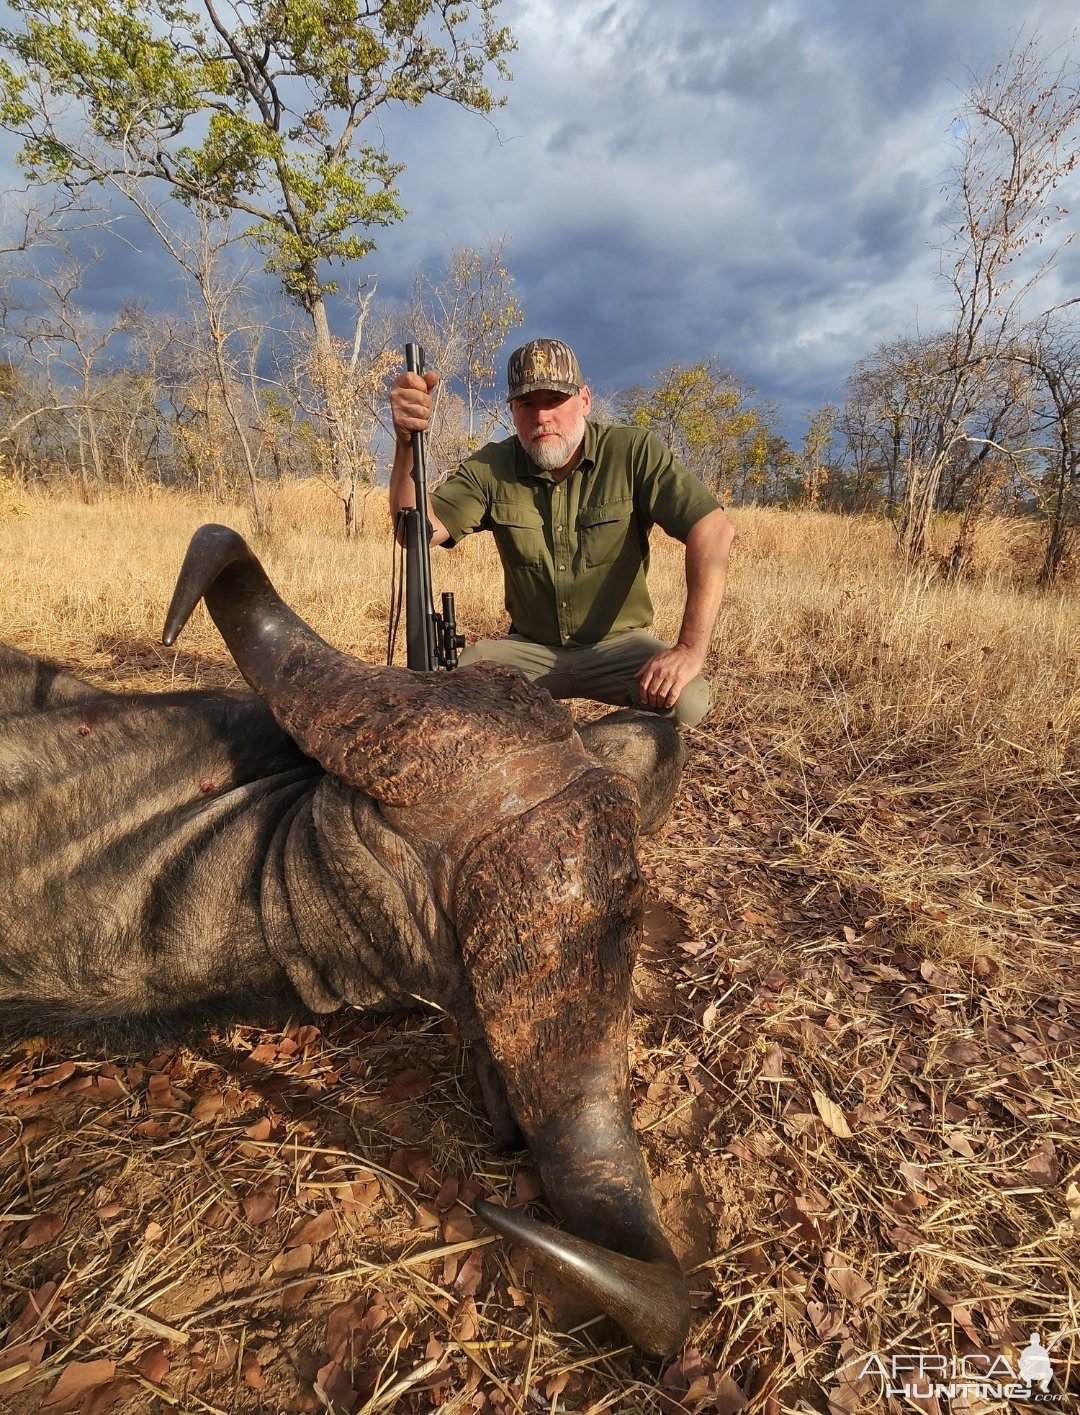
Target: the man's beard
(551, 453)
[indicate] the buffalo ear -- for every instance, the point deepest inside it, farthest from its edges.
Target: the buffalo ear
(646, 747)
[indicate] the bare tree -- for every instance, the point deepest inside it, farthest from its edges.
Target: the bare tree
(69, 345)
(1017, 141)
(463, 320)
(894, 424)
(343, 386)
(201, 247)
(1050, 354)
(47, 217)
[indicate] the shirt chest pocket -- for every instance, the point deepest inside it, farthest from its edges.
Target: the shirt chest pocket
(604, 530)
(519, 534)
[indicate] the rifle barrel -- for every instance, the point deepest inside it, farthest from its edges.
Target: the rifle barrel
(420, 643)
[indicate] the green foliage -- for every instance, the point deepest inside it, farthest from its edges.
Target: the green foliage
(258, 111)
(708, 419)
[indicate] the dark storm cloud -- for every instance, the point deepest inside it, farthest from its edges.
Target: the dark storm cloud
(758, 182)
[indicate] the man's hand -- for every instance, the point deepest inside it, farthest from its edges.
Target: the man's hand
(410, 409)
(666, 674)
(410, 404)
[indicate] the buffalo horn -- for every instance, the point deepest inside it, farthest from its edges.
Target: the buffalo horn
(400, 737)
(255, 622)
(647, 1299)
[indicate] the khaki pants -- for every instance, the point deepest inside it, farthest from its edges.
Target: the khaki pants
(603, 672)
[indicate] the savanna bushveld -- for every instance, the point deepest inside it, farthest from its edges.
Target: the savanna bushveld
(855, 1041)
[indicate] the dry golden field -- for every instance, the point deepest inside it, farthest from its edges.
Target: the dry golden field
(855, 1055)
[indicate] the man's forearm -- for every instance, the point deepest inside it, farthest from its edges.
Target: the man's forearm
(403, 492)
(707, 549)
(402, 486)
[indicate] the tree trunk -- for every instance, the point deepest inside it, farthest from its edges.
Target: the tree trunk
(217, 339)
(1057, 542)
(341, 464)
(920, 497)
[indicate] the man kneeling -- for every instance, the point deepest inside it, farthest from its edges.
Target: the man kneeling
(571, 504)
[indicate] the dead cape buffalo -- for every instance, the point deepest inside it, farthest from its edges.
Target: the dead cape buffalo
(367, 836)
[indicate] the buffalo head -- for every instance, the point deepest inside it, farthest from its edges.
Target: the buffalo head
(534, 902)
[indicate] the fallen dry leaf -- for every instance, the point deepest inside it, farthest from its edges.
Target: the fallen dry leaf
(1044, 1165)
(54, 1076)
(448, 1193)
(457, 1226)
(104, 1397)
(260, 1206)
(426, 1218)
(160, 1094)
(963, 1053)
(315, 1231)
(208, 1105)
(843, 1278)
(960, 1143)
(295, 1260)
(843, 1400)
(32, 1310)
(826, 1320)
(772, 1063)
(555, 1385)
(76, 1379)
(333, 1383)
(408, 1085)
(42, 1230)
(358, 1196)
(465, 1324)
(467, 1282)
(833, 1117)
(17, 1366)
(808, 1217)
(714, 1393)
(410, 1163)
(154, 1363)
(251, 1370)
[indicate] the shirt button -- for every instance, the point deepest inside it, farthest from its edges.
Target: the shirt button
(562, 603)
(562, 567)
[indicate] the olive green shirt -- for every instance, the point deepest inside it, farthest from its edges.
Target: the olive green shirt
(575, 553)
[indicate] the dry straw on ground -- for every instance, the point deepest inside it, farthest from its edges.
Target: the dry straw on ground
(855, 1055)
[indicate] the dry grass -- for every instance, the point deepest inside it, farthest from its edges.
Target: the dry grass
(855, 1055)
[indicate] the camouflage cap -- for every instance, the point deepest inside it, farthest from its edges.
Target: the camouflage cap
(546, 364)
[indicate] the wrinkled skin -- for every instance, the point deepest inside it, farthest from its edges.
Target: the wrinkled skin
(365, 836)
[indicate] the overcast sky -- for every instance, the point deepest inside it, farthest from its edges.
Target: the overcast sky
(755, 182)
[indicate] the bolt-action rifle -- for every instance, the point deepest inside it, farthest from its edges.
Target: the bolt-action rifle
(431, 639)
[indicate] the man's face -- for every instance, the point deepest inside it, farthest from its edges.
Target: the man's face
(551, 426)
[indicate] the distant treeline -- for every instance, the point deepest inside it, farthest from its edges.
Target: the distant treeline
(142, 398)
